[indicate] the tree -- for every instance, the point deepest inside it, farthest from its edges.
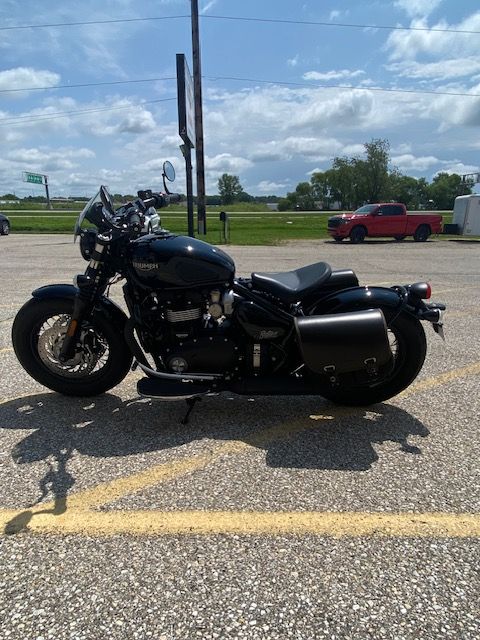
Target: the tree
(229, 188)
(446, 187)
(343, 182)
(375, 169)
(321, 188)
(410, 191)
(302, 198)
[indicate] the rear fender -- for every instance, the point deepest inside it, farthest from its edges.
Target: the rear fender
(105, 306)
(358, 298)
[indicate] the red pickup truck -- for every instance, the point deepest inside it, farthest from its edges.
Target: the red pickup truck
(384, 219)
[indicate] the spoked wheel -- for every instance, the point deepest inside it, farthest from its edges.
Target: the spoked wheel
(409, 347)
(101, 359)
(4, 228)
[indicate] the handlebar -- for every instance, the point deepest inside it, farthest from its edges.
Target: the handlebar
(160, 200)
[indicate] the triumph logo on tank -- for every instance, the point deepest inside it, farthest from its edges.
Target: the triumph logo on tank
(146, 266)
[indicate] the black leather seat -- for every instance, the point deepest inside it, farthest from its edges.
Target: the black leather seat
(292, 286)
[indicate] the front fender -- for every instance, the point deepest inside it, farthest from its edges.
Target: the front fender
(358, 298)
(105, 306)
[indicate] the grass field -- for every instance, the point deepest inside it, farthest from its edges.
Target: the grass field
(246, 228)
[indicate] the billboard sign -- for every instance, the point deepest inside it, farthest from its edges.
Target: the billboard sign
(186, 102)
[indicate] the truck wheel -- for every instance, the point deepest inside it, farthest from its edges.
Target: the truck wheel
(399, 238)
(357, 235)
(422, 233)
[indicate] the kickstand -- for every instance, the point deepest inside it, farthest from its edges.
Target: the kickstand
(191, 402)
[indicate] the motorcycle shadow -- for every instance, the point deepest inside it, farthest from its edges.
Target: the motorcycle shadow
(297, 431)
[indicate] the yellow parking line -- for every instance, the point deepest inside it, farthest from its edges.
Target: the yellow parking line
(108, 492)
(340, 524)
(443, 378)
(111, 491)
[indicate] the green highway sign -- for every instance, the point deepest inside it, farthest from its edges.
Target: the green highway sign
(36, 178)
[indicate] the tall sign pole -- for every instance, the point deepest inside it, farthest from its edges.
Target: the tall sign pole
(197, 84)
(186, 128)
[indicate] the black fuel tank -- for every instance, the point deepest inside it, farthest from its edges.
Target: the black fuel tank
(179, 261)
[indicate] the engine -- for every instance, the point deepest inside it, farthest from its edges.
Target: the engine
(191, 330)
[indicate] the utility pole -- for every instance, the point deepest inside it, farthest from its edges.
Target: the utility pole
(199, 153)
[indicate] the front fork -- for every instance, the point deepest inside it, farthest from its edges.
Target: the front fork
(89, 286)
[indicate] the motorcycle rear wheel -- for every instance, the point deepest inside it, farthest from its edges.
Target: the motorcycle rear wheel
(408, 337)
(100, 363)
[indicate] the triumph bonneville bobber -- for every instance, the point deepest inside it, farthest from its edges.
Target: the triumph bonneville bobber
(194, 328)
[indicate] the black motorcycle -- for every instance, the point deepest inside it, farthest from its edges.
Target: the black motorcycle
(193, 328)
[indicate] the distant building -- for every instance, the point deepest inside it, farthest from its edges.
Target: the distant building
(273, 206)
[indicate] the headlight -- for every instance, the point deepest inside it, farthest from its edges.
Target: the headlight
(88, 238)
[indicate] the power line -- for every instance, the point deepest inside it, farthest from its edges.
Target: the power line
(87, 84)
(90, 22)
(27, 119)
(244, 19)
(257, 80)
(343, 86)
(340, 24)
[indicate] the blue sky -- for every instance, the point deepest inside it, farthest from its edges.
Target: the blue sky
(271, 135)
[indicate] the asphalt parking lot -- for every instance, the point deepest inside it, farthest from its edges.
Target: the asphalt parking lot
(265, 518)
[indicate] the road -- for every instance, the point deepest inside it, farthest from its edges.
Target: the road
(264, 518)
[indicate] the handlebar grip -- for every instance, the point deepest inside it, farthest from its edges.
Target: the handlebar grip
(173, 198)
(135, 222)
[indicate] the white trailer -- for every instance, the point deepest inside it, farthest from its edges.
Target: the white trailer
(466, 215)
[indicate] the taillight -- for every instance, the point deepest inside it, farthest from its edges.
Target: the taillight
(421, 290)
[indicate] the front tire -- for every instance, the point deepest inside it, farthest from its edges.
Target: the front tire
(101, 361)
(357, 235)
(411, 349)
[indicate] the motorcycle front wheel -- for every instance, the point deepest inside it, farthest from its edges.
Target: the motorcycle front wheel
(101, 359)
(409, 348)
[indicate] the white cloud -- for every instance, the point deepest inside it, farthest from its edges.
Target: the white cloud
(455, 166)
(293, 62)
(26, 77)
(417, 7)
(269, 187)
(409, 45)
(408, 162)
(226, 163)
(341, 74)
(208, 6)
(441, 70)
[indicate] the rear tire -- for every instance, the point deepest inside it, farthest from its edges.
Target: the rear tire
(411, 352)
(422, 233)
(4, 229)
(357, 235)
(36, 338)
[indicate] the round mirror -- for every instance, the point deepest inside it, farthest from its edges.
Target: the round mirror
(168, 171)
